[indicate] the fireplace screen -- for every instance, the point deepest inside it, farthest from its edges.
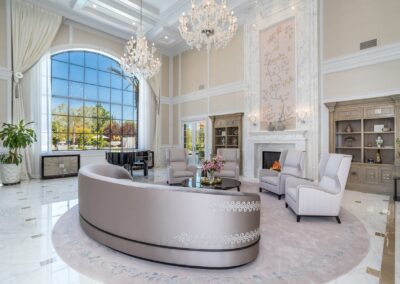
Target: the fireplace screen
(269, 157)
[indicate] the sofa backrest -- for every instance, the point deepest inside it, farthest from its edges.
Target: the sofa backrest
(294, 163)
(177, 158)
(166, 215)
(334, 170)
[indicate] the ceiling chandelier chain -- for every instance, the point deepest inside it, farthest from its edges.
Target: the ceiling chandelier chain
(208, 23)
(138, 57)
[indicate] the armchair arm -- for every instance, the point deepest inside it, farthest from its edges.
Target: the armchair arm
(313, 200)
(292, 181)
(192, 168)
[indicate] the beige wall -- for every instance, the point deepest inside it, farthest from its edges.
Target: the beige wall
(175, 80)
(165, 76)
(349, 22)
(62, 36)
(366, 81)
(176, 128)
(72, 34)
(3, 34)
(164, 124)
(193, 70)
(227, 64)
(228, 103)
(194, 108)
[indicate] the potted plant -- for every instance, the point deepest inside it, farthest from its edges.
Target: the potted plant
(15, 137)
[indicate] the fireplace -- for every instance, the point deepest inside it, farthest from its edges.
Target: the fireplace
(269, 157)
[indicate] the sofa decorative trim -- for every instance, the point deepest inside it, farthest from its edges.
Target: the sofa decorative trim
(209, 239)
(236, 206)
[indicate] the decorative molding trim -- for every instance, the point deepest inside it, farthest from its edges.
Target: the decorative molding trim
(360, 96)
(367, 57)
(210, 239)
(5, 73)
(238, 206)
(211, 92)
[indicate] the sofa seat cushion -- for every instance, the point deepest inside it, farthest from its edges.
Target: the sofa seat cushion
(270, 179)
(178, 174)
(292, 192)
(226, 173)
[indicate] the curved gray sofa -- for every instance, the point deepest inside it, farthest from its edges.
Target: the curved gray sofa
(167, 224)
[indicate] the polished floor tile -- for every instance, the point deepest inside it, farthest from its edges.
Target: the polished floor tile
(29, 211)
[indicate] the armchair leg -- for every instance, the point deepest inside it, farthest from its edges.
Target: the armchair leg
(279, 197)
(260, 189)
(286, 205)
(338, 220)
(298, 218)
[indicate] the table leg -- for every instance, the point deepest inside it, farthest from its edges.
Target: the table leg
(238, 188)
(145, 168)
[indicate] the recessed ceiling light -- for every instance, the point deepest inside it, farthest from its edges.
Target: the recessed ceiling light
(133, 23)
(94, 6)
(166, 37)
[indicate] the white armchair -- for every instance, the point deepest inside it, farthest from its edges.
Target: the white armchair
(231, 156)
(324, 198)
(178, 168)
(292, 164)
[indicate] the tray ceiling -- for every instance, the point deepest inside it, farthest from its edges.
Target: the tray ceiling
(121, 18)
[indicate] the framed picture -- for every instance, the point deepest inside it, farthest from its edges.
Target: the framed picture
(378, 127)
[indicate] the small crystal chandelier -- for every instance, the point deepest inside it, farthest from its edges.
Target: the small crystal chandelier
(139, 58)
(208, 23)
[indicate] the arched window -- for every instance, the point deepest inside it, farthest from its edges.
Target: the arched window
(94, 105)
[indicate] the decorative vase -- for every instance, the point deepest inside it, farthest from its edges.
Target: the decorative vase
(10, 173)
(378, 157)
(379, 141)
(211, 176)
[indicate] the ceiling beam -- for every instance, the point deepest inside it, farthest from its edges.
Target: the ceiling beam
(79, 4)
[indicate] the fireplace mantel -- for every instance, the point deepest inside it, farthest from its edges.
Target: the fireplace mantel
(259, 141)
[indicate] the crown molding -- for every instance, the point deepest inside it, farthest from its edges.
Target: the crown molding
(366, 95)
(367, 57)
(210, 92)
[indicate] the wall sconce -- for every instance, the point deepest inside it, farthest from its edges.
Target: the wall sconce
(253, 118)
(302, 116)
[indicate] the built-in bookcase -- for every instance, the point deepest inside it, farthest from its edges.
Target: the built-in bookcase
(354, 129)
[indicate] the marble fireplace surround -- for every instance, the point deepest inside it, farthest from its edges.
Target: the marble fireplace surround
(272, 141)
(306, 135)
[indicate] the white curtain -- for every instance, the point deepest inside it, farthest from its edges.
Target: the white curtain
(33, 31)
(155, 105)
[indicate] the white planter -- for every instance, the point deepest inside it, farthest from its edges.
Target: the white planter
(10, 173)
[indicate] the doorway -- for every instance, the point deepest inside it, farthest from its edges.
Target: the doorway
(194, 140)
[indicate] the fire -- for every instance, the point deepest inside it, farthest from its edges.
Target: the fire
(276, 166)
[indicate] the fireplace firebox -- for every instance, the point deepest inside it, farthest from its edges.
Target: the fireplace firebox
(269, 157)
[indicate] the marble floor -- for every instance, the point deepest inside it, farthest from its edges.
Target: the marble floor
(29, 211)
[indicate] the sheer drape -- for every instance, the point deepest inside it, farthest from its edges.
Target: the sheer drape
(33, 30)
(155, 104)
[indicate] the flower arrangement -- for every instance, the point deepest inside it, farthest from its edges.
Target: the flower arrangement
(216, 164)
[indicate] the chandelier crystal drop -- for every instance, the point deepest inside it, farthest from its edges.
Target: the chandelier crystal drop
(208, 23)
(139, 58)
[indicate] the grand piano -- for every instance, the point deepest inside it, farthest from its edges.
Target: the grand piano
(132, 159)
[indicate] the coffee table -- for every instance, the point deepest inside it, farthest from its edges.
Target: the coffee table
(227, 183)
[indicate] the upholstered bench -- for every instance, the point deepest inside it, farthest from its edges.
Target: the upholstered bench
(168, 224)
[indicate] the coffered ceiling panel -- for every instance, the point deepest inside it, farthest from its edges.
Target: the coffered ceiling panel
(121, 18)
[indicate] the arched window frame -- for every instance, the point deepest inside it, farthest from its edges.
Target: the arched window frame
(122, 131)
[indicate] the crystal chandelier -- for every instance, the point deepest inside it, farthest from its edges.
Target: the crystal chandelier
(139, 58)
(208, 23)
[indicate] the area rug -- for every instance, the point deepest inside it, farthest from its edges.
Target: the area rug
(316, 250)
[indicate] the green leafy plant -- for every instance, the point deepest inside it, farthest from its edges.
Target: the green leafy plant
(16, 137)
